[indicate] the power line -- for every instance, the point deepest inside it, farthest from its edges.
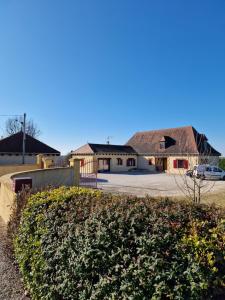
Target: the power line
(11, 115)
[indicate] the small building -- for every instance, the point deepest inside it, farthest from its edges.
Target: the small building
(11, 149)
(106, 158)
(173, 150)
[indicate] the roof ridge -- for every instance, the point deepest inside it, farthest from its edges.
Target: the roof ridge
(165, 129)
(109, 145)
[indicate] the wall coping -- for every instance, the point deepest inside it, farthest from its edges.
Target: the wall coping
(12, 175)
(7, 178)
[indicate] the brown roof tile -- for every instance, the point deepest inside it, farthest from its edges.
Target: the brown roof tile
(182, 140)
(14, 144)
(104, 148)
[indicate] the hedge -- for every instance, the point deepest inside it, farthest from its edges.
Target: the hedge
(222, 163)
(81, 244)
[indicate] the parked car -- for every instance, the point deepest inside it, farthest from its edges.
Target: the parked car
(189, 173)
(208, 172)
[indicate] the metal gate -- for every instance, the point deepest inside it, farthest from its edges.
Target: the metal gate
(88, 173)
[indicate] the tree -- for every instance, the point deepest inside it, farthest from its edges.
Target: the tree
(222, 163)
(14, 125)
(194, 188)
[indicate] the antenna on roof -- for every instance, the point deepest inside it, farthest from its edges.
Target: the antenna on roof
(108, 139)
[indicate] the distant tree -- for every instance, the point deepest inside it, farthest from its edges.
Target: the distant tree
(14, 125)
(222, 163)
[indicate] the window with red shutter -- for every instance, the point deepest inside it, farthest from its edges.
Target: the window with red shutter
(82, 162)
(175, 164)
(186, 164)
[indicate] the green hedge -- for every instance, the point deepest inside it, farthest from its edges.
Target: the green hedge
(222, 163)
(81, 244)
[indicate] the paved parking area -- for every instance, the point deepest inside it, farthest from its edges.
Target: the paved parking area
(140, 184)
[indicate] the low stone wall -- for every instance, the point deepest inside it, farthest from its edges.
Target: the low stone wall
(7, 197)
(49, 177)
(8, 169)
(41, 178)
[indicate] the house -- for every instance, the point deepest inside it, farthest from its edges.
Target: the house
(172, 150)
(11, 149)
(105, 157)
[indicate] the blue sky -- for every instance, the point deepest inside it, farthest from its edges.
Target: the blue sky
(87, 69)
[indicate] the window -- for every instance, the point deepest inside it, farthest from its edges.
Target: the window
(180, 164)
(150, 162)
(217, 170)
(162, 145)
(131, 162)
(82, 162)
(119, 161)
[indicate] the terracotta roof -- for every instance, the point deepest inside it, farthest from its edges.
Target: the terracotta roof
(182, 140)
(104, 148)
(14, 144)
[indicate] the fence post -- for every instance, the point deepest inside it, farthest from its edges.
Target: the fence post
(47, 162)
(39, 160)
(75, 163)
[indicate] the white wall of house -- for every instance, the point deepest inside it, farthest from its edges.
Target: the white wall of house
(17, 159)
(146, 163)
(142, 162)
(114, 167)
(90, 162)
(192, 161)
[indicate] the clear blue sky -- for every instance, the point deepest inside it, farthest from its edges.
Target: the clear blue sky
(84, 70)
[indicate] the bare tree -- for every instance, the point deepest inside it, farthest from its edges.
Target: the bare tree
(14, 125)
(194, 188)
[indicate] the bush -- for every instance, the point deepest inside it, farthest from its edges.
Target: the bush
(82, 244)
(222, 163)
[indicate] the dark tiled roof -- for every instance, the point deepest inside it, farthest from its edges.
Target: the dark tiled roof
(104, 148)
(14, 144)
(182, 140)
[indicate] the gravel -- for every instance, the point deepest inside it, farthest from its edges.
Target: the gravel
(11, 287)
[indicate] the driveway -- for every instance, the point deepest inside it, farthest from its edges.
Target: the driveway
(141, 184)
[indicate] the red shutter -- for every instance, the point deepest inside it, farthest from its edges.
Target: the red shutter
(186, 164)
(175, 164)
(82, 162)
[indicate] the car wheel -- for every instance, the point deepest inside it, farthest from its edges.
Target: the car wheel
(203, 177)
(224, 178)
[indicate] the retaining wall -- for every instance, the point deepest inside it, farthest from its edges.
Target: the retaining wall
(40, 179)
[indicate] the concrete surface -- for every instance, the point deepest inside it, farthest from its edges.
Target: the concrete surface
(142, 184)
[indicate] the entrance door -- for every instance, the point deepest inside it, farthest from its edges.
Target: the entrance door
(164, 164)
(103, 164)
(161, 164)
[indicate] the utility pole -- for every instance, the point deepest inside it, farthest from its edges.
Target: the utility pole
(24, 137)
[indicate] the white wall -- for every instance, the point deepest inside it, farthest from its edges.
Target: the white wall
(143, 163)
(16, 160)
(49, 177)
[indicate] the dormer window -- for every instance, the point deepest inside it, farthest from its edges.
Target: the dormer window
(162, 145)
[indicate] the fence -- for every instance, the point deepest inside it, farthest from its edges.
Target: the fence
(88, 173)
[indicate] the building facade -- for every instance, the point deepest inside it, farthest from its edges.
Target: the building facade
(11, 150)
(172, 151)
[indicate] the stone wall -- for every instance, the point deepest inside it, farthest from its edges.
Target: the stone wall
(41, 178)
(7, 169)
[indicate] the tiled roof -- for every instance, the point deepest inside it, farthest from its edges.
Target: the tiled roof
(182, 140)
(14, 144)
(104, 148)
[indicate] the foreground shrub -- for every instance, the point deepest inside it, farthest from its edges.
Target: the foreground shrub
(82, 244)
